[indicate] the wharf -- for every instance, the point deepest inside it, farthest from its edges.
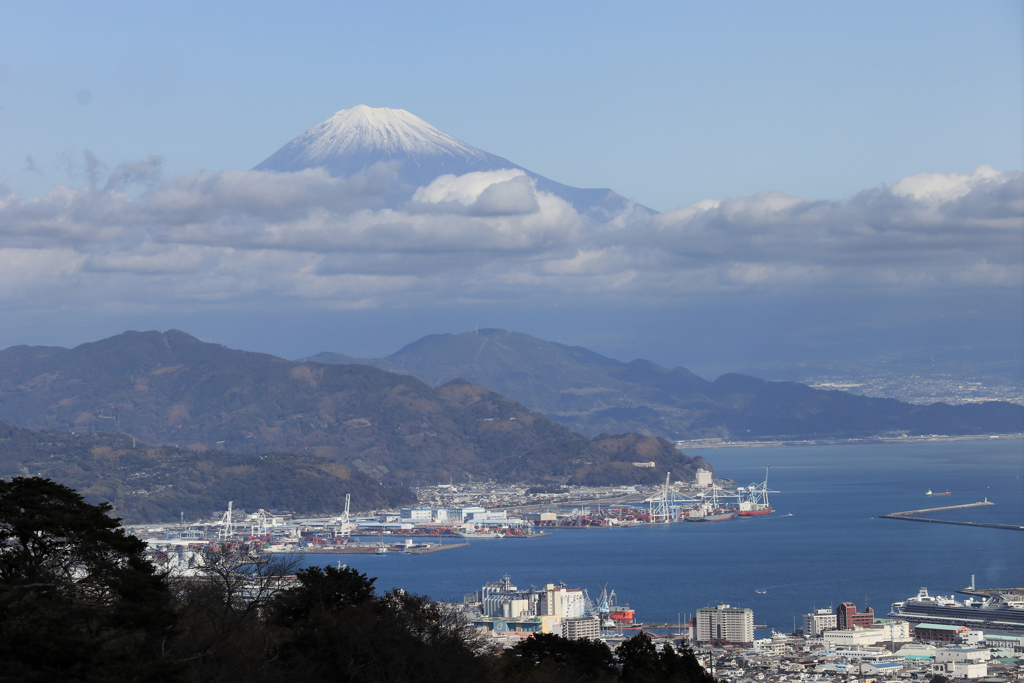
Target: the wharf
(433, 548)
(990, 525)
(979, 504)
(371, 550)
(911, 516)
(543, 533)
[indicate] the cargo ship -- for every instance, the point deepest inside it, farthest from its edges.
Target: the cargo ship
(612, 615)
(748, 509)
(755, 502)
(704, 513)
(929, 493)
(622, 615)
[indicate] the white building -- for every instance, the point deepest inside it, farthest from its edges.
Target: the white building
(860, 637)
(961, 654)
(770, 646)
(884, 669)
(818, 621)
(587, 627)
(971, 637)
(703, 478)
(461, 514)
(457, 515)
(559, 601)
(967, 669)
(725, 624)
(880, 632)
(873, 655)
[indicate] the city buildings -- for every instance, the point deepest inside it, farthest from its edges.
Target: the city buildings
(847, 616)
(878, 632)
(501, 606)
(562, 602)
(818, 621)
(584, 627)
(725, 625)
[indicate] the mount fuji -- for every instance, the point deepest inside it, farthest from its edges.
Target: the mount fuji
(353, 140)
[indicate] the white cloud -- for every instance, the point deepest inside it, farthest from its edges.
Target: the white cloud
(944, 187)
(480, 193)
(223, 237)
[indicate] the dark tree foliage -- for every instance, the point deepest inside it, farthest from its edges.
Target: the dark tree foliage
(79, 601)
(336, 629)
(78, 598)
(323, 589)
(549, 657)
(642, 663)
(222, 604)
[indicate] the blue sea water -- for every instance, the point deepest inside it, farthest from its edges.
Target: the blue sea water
(833, 547)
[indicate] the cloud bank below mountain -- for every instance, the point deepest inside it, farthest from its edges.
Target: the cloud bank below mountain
(240, 235)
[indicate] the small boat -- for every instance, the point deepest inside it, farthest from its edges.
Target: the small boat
(760, 592)
(929, 493)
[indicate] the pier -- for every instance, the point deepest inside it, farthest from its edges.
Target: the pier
(912, 516)
(945, 507)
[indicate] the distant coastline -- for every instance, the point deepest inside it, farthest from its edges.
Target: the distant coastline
(720, 443)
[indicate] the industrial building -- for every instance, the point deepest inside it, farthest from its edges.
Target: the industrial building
(725, 625)
(503, 606)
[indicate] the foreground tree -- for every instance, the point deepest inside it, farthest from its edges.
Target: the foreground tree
(642, 663)
(547, 657)
(335, 628)
(222, 594)
(78, 598)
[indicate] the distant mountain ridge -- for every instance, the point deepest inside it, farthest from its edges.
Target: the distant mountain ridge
(173, 389)
(355, 140)
(594, 394)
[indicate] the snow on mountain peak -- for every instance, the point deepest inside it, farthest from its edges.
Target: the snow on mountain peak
(362, 137)
(383, 131)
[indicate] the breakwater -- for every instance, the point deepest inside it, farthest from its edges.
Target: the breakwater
(912, 516)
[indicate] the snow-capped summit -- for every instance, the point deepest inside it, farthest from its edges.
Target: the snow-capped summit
(357, 138)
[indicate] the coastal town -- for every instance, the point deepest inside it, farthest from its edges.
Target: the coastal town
(980, 638)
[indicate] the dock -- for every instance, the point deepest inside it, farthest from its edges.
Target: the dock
(945, 507)
(912, 516)
(372, 549)
(433, 548)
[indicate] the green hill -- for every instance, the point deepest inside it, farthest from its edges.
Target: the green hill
(172, 389)
(157, 484)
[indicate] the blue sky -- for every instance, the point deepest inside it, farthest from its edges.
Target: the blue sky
(667, 103)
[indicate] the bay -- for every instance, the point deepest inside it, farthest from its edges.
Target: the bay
(823, 545)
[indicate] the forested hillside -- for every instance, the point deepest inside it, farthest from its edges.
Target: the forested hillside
(172, 389)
